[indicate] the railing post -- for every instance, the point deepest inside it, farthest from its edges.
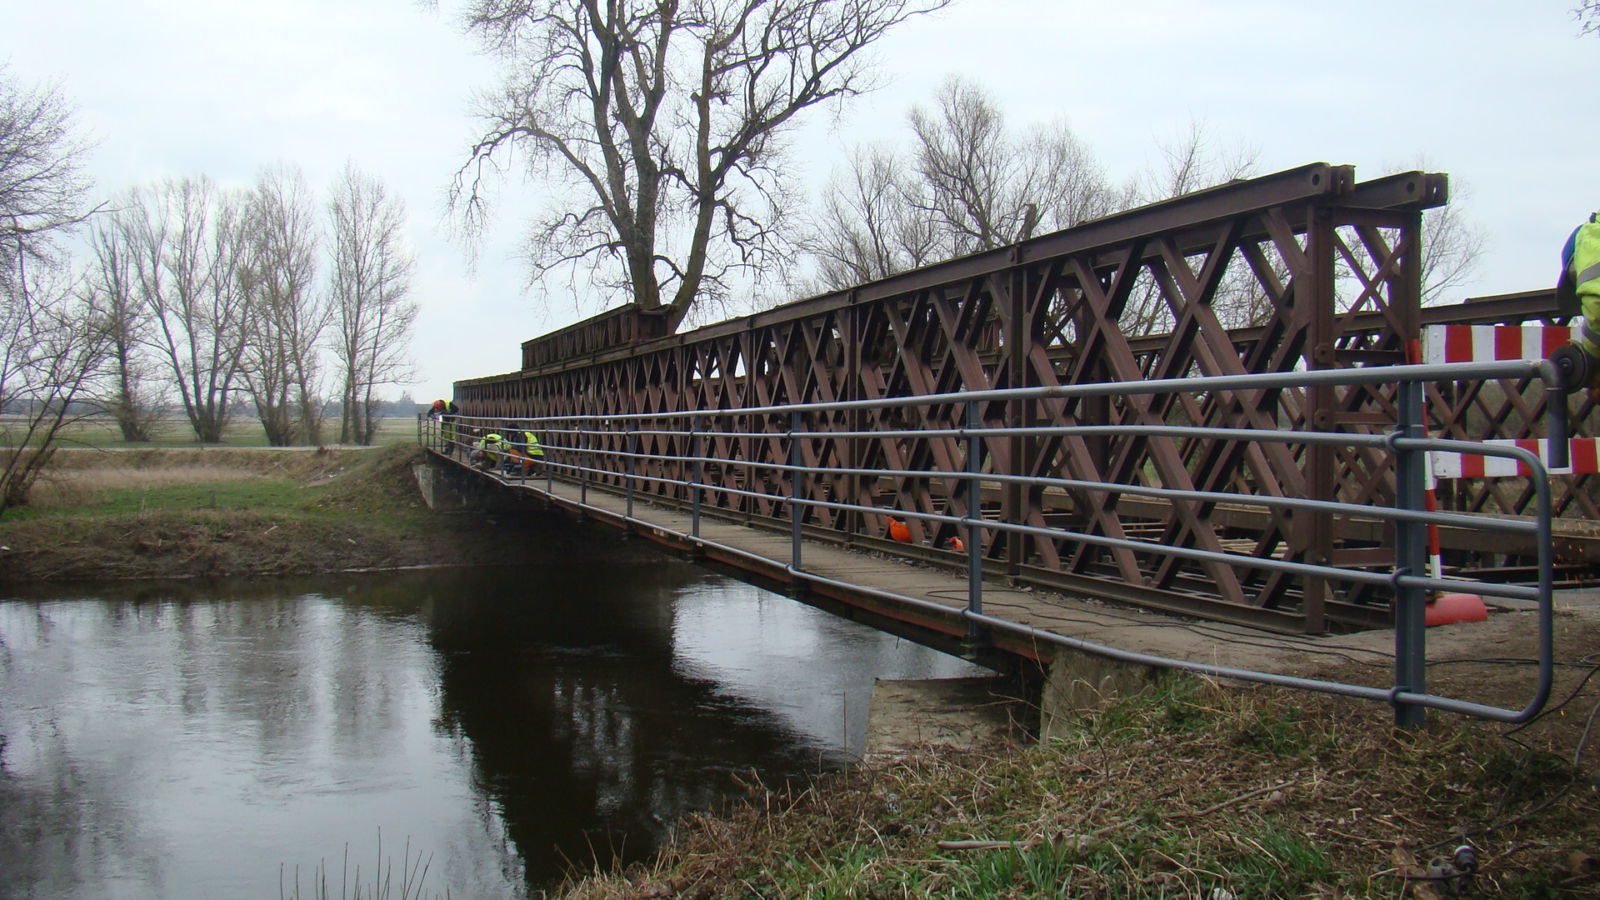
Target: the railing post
(697, 473)
(794, 490)
(549, 468)
(974, 518)
(1556, 427)
(583, 466)
(627, 461)
(1411, 554)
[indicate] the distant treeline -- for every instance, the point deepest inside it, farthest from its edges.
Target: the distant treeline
(405, 407)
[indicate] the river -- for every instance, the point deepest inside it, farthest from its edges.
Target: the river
(491, 725)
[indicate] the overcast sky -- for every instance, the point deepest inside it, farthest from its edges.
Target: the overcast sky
(1494, 93)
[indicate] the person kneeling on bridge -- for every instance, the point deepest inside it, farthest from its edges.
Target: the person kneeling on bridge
(528, 453)
(522, 453)
(1578, 297)
(488, 451)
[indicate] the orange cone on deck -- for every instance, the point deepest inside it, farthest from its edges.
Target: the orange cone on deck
(1448, 609)
(899, 531)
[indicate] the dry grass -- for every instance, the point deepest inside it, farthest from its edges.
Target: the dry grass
(188, 513)
(1187, 790)
(59, 489)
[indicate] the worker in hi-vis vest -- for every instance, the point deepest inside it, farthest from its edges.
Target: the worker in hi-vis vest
(1578, 298)
(529, 452)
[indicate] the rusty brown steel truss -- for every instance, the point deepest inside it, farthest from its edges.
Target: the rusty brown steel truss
(1311, 268)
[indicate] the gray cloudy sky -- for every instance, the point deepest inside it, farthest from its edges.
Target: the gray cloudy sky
(1495, 93)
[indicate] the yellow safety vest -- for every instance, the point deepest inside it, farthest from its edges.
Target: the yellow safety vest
(533, 444)
(1584, 269)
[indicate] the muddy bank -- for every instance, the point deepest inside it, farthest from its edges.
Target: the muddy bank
(220, 512)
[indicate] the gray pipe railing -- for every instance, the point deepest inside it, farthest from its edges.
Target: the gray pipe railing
(578, 459)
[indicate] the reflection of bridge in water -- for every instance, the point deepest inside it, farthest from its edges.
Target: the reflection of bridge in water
(1270, 476)
(595, 725)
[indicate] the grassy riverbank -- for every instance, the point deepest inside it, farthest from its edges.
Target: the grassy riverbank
(164, 513)
(1189, 789)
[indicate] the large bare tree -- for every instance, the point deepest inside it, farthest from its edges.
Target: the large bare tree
(288, 315)
(51, 343)
(664, 119)
(186, 238)
(372, 309)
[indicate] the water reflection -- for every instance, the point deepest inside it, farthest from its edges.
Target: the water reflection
(187, 741)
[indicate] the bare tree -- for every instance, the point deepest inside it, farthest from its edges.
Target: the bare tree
(186, 237)
(287, 314)
(371, 285)
(1587, 14)
(1452, 243)
(1187, 164)
(133, 398)
(51, 345)
(869, 225)
(988, 187)
(971, 168)
(52, 348)
(971, 185)
(42, 184)
(665, 119)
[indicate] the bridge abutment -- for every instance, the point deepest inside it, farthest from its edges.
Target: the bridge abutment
(1081, 682)
(446, 487)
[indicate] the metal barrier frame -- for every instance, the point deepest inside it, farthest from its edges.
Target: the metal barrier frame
(1406, 442)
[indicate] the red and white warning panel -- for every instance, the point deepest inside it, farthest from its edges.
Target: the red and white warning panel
(1491, 343)
(1585, 460)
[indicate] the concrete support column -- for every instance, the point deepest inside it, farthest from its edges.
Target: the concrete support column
(445, 486)
(1081, 682)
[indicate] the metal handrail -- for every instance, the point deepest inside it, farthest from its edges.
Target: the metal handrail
(1407, 443)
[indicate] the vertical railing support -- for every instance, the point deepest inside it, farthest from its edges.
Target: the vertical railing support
(549, 468)
(583, 464)
(794, 490)
(697, 474)
(1411, 557)
(627, 462)
(974, 520)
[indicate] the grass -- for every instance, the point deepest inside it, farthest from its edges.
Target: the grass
(146, 493)
(1187, 789)
(157, 480)
(101, 432)
(181, 513)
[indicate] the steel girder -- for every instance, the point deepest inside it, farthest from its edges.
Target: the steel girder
(1325, 272)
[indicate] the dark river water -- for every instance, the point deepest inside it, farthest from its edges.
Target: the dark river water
(204, 740)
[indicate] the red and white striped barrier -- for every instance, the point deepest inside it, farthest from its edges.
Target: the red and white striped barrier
(1585, 460)
(1490, 343)
(1493, 343)
(1485, 343)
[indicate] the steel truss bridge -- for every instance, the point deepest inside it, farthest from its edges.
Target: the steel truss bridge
(1269, 474)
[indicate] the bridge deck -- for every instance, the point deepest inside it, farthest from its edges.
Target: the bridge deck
(765, 554)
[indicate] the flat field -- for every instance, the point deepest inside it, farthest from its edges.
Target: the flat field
(174, 431)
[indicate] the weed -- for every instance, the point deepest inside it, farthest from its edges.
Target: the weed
(1521, 776)
(1273, 729)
